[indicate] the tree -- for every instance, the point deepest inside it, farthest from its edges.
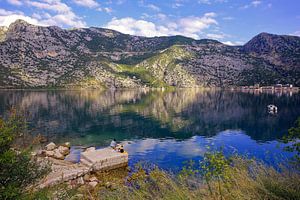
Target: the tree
(17, 168)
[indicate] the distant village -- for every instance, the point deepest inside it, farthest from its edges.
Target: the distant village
(278, 89)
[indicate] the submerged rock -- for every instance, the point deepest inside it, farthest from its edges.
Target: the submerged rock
(51, 146)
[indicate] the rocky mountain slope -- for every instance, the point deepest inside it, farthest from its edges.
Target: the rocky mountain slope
(33, 56)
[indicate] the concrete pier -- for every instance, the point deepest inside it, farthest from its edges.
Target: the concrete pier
(104, 159)
(90, 161)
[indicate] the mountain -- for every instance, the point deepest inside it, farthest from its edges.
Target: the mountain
(34, 56)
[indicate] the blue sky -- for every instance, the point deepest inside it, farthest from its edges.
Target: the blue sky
(229, 21)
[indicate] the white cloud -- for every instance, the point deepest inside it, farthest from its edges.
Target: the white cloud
(15, 2)
(189, 26)
(228, 18)
(48, 12)
(51, 5)
(153, 7)
(8, 17)
(7, 12)
(204, 2)
(120, 2)
(142, 3)
(208, 2)
(254, 4)
(296, 33)
(87, 3)
(108, 10)
(177, 5)
(132, 26)
(237, 43)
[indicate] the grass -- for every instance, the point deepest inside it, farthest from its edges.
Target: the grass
(214, 177)
(241, 179)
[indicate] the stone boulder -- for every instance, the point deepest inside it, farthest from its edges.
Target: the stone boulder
(90, 149)
(51, 146)
(58, 155)
(49, 153)
(63, 150)
(67, 144)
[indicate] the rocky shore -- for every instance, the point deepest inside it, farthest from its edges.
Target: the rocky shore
(77, 171)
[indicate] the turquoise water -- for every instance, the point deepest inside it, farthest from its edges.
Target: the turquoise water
(161, 127)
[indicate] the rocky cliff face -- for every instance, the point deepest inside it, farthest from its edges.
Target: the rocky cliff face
(33, 56)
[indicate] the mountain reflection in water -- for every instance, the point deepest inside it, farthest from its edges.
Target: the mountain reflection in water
(166, 127)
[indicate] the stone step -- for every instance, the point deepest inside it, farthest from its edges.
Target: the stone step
(85, 158)
(95, 160)
(86, 162)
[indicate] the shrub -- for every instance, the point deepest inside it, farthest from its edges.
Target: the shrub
(18, 168)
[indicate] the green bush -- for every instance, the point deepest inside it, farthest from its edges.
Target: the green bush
(18, 168)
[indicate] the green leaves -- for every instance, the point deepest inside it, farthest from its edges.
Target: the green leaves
(18, 169)
(215, 166)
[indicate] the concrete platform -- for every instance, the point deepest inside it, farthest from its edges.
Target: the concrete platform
(104, 159)
(90, 161)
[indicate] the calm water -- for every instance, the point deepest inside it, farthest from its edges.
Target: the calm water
(164, 128)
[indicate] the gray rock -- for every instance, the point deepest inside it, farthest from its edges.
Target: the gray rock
(51, 146)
